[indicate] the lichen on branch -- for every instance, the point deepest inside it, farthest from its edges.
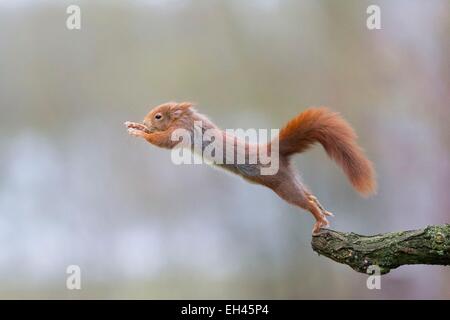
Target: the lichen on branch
(388, 251)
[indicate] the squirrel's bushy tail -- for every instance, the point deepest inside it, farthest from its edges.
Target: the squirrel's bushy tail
(337, 138)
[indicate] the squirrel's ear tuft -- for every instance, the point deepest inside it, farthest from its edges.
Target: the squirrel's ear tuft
(180, 108)
(184, 105)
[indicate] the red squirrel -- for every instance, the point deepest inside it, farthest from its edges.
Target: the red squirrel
(309, 127)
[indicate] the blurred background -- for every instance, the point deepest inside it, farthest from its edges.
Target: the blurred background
(75, 188)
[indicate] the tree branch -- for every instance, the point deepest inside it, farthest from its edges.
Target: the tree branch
(388, 251)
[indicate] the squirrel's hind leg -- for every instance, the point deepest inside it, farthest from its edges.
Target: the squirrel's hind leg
(314, 205)
(294, 193)
(319, 215)
(316, 201)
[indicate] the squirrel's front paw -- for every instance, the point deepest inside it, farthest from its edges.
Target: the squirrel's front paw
(136, 126)
(135, 132)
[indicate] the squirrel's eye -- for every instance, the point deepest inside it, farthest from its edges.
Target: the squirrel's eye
(158, 116)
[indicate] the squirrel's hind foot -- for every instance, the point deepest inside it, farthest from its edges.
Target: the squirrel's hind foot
(314, 200)
(322, 223)
(320, 214)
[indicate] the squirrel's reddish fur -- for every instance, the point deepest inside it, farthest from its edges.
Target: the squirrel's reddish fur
(315, 125)
(337, 138)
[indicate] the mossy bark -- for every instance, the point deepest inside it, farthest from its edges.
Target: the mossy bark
(387, 251)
